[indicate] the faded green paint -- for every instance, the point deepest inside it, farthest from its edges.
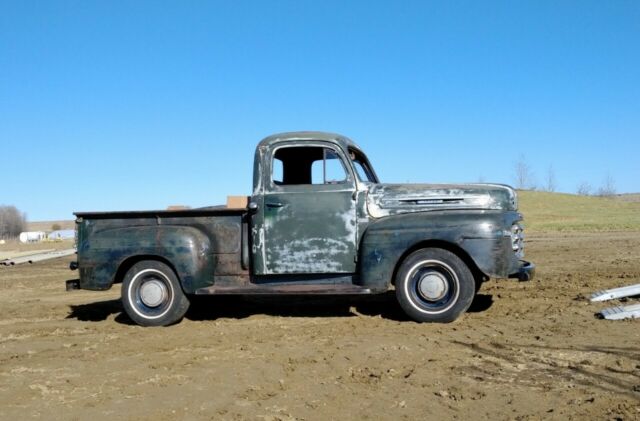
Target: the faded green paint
(317, 228)
(189, 241)
(306, 228)
(313, 232)
(393, 199)
(479, 234)
(356, 230)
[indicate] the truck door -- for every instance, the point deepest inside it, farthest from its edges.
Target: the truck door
(308, 212)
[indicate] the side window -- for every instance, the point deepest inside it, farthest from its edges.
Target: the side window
(277, 171)
(307, 165)
(362, 174)
(329, 170)
(363, 168)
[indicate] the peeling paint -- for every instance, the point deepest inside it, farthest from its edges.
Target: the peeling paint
(392, 199)
(357, 228)
(313, 255)
(350, 227)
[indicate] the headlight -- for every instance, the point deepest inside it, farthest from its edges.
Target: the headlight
(517, 239)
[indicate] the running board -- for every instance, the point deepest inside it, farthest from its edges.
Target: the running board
(610, 294)
(621, 312)
(296, 289)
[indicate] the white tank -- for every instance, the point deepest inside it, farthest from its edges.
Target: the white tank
(32, 236)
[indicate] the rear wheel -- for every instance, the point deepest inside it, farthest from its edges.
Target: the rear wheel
(434, 285)
(152, 295)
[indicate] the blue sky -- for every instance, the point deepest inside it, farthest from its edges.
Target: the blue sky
(117, 105)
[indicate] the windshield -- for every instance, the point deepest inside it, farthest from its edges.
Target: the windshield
(362, 166)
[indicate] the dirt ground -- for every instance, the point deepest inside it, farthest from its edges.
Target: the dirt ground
(524, 351)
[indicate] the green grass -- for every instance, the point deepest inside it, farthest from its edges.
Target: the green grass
(567, 212)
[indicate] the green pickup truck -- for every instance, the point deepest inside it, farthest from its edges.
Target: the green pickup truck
(318, 222)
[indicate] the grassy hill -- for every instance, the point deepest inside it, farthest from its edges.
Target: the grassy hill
(568, 212)
(47, 225)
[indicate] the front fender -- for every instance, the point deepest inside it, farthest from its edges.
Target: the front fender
(187, 249)
(479, 235)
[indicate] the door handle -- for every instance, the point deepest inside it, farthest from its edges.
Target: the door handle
(274, 205)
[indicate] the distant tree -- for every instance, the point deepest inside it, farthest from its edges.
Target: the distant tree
(551, 179)
(608, 187)
(12, 221)
(584, 189)
(55, 227)
(524, 175)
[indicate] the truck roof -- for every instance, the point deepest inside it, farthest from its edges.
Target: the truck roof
(343, 141)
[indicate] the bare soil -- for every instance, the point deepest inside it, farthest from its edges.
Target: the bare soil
(524, 351)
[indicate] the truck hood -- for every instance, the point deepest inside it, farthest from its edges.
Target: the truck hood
(391, 199)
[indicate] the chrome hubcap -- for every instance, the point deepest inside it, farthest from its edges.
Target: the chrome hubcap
(433, 286)
(153, 293)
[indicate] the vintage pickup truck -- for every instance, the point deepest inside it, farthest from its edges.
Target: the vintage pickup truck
(318, 222)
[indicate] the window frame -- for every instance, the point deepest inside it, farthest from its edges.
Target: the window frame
(366, 166)
(348, 183)
(324, 169)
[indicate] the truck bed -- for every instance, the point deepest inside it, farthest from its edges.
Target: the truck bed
(200, 244)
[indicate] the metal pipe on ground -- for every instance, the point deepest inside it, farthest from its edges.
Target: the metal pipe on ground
(38, 257)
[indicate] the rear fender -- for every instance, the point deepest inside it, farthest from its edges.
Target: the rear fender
(186, 249)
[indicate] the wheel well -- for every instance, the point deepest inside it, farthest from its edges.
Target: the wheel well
(130, 261)
(445, 245)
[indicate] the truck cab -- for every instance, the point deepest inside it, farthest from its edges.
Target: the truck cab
(318, 221)
(308, 199)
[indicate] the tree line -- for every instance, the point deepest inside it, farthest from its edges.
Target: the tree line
(525, 180)
(12, 221)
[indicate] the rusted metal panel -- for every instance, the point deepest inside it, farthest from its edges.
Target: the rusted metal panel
(228, 264)
(356, 227)
(304, 228)
(479, 234)
(237, 281)
(313, 232)
(294, 289)
(144, 215)
(393, 199)
(193, 245)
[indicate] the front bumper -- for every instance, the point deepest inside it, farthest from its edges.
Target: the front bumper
(526, 271)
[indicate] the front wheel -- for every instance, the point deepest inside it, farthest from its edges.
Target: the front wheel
(152, 295)
(434, 285)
